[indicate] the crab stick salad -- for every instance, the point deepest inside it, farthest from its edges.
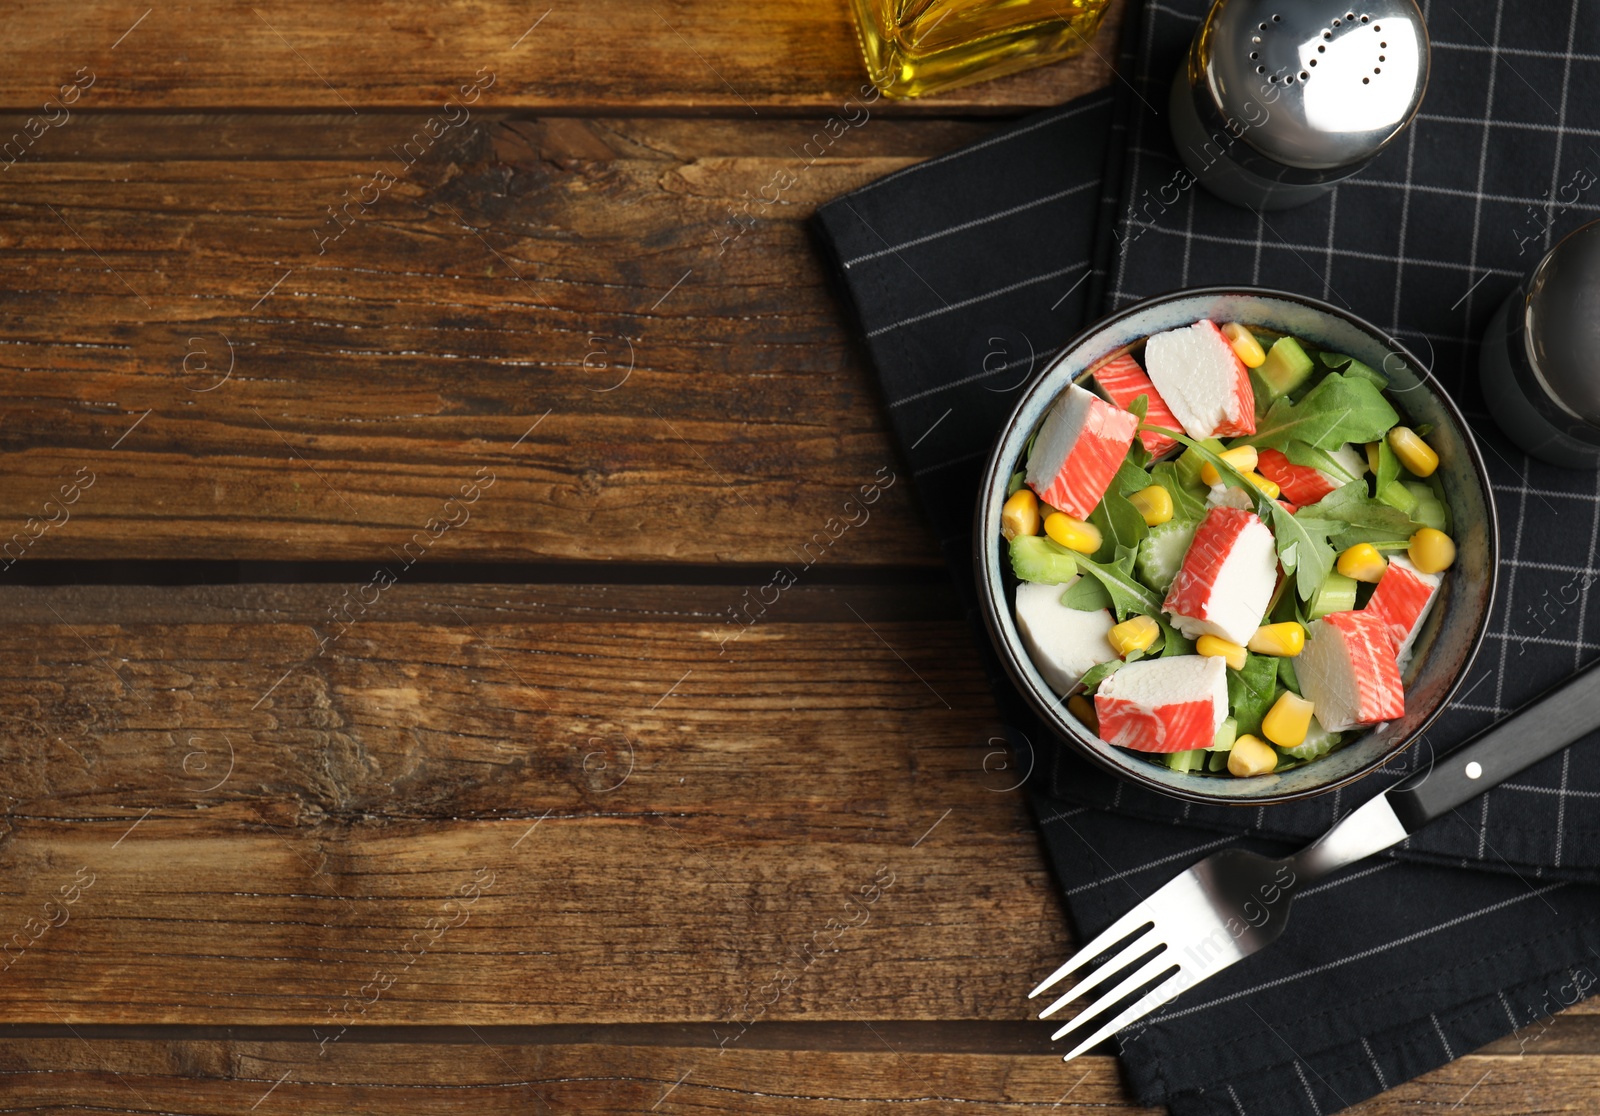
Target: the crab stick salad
(1226, 542)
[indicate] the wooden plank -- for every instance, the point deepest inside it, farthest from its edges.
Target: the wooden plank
(239, 1077)
(259, 816)
(598, 56)
(584, 310)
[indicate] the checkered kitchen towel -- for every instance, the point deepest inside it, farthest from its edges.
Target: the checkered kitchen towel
(968, 273)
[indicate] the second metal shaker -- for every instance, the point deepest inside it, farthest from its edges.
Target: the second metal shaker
(1280, 99)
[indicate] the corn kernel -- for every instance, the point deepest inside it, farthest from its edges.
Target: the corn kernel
(1020, 515)
(1285, 640)
(1242, 458)
(1074, 534)
(1431, 551)
(1215, 647)
(1288, 721)
(1261, 482)
(1136, 633)
(1245, 345)
(1415, 454)
(1153, 503)
(1083, 709)
(1251, 756)
(1363, 563)
(1372, 458)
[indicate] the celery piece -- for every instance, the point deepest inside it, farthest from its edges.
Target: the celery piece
(1036, 558)
(1217, 762)
(1285, 368)
(1186, 761)
(1429, 510)
(1398, 496)
(1336, 594)
(1227, 733)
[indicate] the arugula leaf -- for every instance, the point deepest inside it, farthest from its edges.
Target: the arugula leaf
(1015, 482)
(1101, 671)
(1121, 525)
(1287, 678)
(1176, 644)
(1388, 465)
(1299, 453)
(1187, 504)
(1129, 596)
(1086, 595)
(1251, 691)
(1356, 517)
(1130, 477)
(1339, 409)
(1139, 406)
(1302, 544)
(1353, 367)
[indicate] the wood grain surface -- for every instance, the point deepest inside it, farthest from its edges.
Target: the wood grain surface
(551, 303)
(598, 56)
(403, 410)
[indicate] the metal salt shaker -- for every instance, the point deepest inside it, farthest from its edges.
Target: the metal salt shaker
(1281, 99)
(1540, 361)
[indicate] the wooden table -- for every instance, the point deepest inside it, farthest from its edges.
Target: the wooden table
(402, 416)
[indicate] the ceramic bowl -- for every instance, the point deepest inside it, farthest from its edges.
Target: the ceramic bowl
(1453, 632)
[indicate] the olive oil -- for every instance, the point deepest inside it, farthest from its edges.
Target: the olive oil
(915, 47)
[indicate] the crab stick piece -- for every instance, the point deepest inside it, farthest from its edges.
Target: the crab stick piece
(1303, 484)
(1202, 380)
(1062, 642)
(1079, 448)
(1164, 705)
(1402, 599)
(1123, 381)
(1227, 577)
(1348, 671)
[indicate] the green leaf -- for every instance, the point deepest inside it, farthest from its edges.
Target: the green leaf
(1176, 643)
(1101, 671)
(1251, 691)
(1299, 453)
(1086, 595)
(1119, 522)
(1355, 517)
(1353, 367)
(1388, 466)
(1339, 409)
(1139, 407)
(1015, 482)
(1187, 503)
(1302, 544)
(1129, 596)
(1287, 678)
(1130, 477)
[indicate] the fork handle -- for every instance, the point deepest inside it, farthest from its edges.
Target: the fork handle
(1508, 747)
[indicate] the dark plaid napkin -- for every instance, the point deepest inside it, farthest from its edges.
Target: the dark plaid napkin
(968, 273)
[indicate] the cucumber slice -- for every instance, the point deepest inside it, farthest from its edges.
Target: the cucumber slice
(1285, 368)
(1186, 761)
(1318, 743)
(1161, 553)
(1337, 593)
(1227, 733)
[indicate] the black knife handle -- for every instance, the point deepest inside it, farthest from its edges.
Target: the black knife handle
(1509, 746)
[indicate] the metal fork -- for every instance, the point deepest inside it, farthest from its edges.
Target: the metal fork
(1235, 902)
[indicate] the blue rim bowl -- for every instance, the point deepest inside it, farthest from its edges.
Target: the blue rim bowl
(1455, 628)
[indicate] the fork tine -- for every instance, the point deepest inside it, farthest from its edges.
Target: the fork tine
(1118, 930)
(1136, 949)
(1146, 1004)
(1106, 1000)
